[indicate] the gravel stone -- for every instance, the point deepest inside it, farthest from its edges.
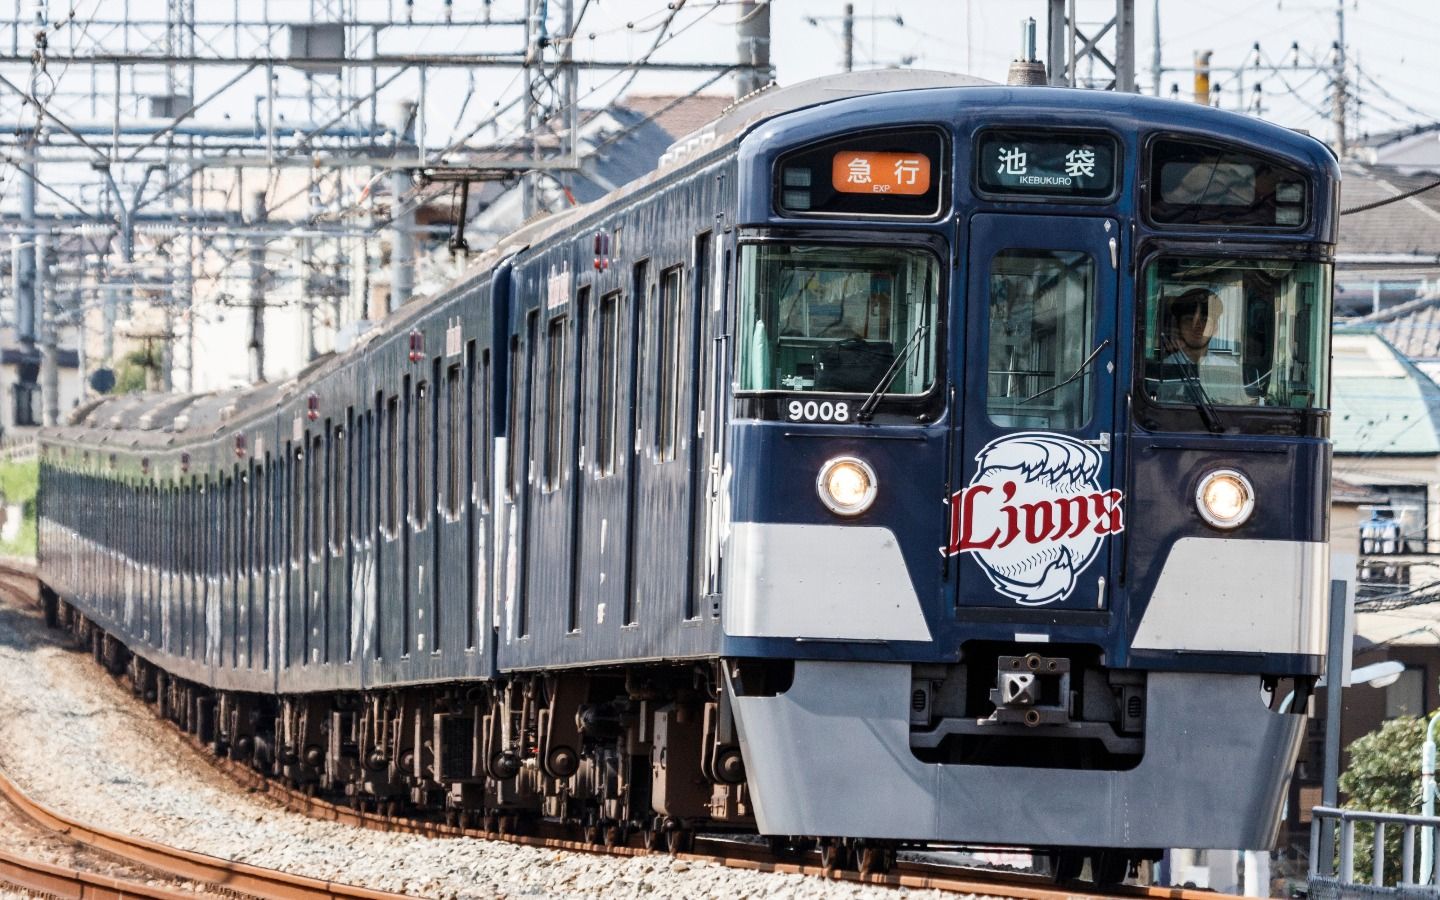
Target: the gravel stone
(78, 742)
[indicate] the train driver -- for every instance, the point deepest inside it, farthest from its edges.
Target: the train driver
(1196, 364)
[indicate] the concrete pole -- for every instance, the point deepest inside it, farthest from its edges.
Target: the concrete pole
(49, 364)
(752, 48)
(847, 29)
(402, 244)
(1337, 112)
(1155, 64)
(1334, 692)
(257, 290)
(24, 260)
(402, 222)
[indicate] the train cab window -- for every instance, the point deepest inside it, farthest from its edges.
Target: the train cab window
(833, 318)
(1042, 327)
(1236, 332)
(1192, 183)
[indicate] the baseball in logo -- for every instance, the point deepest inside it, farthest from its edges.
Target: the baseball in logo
(1034, 515)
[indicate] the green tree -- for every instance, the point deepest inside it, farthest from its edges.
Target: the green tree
(1384, 776)
(132, 374)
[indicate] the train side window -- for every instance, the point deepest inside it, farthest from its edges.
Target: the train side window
(607, 406)
(320, 465)
(360, 471)
(297, 491)
(421, 446)
(555, 394)
(512, 463)
(532, 366)
(339, 493)
(484, 414)
(392, 467)
(668, 372)
(1042, 328)
(454, 434)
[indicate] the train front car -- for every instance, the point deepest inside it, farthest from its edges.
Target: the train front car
(1029, 468)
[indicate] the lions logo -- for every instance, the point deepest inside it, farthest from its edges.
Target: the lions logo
(1034, 515)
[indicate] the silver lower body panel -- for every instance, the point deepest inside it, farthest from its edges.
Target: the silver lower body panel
(831, 757)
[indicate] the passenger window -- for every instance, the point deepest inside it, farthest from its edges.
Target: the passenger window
(454, 432)
(392, 467)
(556, 394)
(668, 369)
(423, 444)
(606, 403)
(1042, 330)
(339, 490)
(318, 472)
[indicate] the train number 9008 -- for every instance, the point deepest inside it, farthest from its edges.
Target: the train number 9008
(811, 411)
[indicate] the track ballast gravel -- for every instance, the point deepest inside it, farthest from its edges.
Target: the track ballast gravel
(76, 741)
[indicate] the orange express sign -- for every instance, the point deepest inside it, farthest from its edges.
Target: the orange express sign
(871, 172)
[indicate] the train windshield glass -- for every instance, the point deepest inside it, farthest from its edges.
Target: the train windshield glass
(1237, 332)
(835, 318)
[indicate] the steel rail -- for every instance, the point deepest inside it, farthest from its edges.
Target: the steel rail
(905, 874)
(59, 881)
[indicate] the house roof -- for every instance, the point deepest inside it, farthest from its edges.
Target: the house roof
(678, 115)
(1405, 228)
(1382, 404)
(1347, 493)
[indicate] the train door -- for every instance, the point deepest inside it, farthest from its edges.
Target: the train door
(1032, 521)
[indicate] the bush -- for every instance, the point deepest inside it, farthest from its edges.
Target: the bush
(1384, 776)
(19, 483)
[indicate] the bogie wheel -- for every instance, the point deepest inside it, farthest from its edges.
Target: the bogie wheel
(590, 833)
(615, 835)
(1110, 867)
(835, 855)
(1066, 865)
(490, 823)
(876, 860)
(679, 840)
(650, 838)
(786, 847)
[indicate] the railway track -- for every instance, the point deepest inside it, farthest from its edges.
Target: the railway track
(19, 584)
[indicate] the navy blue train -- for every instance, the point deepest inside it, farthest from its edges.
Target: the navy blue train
(906, 461)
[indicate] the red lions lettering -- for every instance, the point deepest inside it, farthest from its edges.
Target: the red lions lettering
(1034, 514)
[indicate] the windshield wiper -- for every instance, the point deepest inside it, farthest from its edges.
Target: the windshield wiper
(867, 409)
(1201, 399)
(1080, 370)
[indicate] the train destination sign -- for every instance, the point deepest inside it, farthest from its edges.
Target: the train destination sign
(894, 173)
(1074, 164)
(866, 172)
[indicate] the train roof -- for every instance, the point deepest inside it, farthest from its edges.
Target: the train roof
(159, 419)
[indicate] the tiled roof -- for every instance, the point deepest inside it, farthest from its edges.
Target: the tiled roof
(1410, 226)
(678, 115)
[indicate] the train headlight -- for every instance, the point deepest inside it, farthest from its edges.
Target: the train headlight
(1225, 498)
(846, 485)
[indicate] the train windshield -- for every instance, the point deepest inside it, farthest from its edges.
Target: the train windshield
(1237, 332)
(836, 318)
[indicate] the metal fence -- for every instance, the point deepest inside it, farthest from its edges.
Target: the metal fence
(1332, 868)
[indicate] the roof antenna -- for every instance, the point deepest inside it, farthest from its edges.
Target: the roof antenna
(1027, 69)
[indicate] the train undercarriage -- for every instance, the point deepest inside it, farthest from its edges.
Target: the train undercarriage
(647, 756)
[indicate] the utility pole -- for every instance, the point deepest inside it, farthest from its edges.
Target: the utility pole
(257, 289)
(1337, 112)
(402, 221)
(1155, 64)
(24, 252)
(847, 30)
(49, 365)
(752, 48)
